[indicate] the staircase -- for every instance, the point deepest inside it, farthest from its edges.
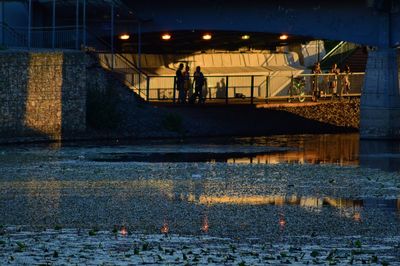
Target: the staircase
(357, 61)
(338, 55)
(131, 76)
(11, 37)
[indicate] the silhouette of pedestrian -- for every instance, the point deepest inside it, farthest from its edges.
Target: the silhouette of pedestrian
(180, 84)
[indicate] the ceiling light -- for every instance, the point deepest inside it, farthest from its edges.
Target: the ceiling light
(245, 37)
(283, 37)
(124, 36)
(207, 36)
(166, 37)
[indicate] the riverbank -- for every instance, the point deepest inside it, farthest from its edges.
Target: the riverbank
(164, 121)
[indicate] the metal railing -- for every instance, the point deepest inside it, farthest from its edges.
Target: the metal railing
(128, 73)
(63, 37)
(252, 88)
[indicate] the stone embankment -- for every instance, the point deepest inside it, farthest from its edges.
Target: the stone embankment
(345, 113)
(239, 120)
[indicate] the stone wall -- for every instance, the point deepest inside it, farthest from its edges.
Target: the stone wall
(42, 95)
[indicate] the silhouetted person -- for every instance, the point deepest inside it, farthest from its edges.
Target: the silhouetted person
(198, 82)
(180, 84)
(346, 81)
(187, 84)
(221, 89)
(335, 71)
(316, 91)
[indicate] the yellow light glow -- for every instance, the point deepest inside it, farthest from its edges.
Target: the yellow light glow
(245, 37)
(165, 228)
(207, 36)
(124, 36)
(283, 37)
(166, 37)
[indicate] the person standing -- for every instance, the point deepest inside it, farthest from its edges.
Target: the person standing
(335, 71)
(346, 81)
(187, 84)
(198, 83)
(316, 90)
(180, 84)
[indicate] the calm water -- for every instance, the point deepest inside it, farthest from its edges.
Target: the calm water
(135, 184)
(340, 149)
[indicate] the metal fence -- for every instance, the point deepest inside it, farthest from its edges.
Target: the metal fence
(67, 37)
(250, 88)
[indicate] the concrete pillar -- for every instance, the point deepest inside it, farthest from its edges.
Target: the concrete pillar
(77, 25)
(380, 100)
(2, 13)
(53, 26)
(29, 24)
(84, 24)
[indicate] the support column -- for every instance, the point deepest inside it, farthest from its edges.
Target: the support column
(77, 25)
(380, 99)
(53, 30)
(84, 24)
(29, 23)
(139, 49)
(112, 36)
(3, 20)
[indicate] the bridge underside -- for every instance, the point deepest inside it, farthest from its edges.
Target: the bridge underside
(371, 23)
(374, 23)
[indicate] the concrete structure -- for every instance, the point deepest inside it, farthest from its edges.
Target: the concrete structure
(42, 95)
(374, 23)
(272, 72)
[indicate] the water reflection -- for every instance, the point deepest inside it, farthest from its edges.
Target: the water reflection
(341, 149)
(338, 149)
(282, 221)
(165, 228)
(205, 224)
(380, 154)
(160, 206)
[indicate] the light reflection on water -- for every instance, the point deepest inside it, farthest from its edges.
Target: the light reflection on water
(168, 205)
(168, 210)
(337, 149)
(341, 149)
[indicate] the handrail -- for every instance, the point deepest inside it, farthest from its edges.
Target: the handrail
(333, 50)
(129, 63)
(269, 74)
(242, 89)
(126, 61)
(16, 34)
(127, 82)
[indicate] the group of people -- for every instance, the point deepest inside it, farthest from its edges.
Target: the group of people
(184, 85)
(331, 80)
